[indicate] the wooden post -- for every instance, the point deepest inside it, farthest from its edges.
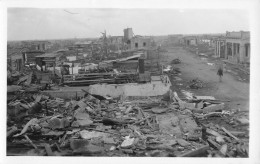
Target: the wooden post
(11, 65)
(232, 49)
(225, 51)
(53, 68)
(72, 65)
(54, 64)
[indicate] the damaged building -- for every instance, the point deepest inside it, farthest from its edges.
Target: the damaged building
(37, 45)
(220, 45)
(189, 40)
(238, 47)
(115, 107)
(234, 46)
(16, 58)
(135, 41)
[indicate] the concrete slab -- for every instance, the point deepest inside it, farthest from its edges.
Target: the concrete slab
(154, 88)
(169, 124)
(66, 93)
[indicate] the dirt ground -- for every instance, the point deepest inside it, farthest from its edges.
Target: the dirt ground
(194, 66)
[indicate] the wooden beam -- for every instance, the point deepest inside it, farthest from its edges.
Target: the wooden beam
(228, 133)
(196, 152)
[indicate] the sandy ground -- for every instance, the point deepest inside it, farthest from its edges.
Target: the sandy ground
(193, 66)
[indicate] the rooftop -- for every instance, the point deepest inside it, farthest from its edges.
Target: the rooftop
(14, 51)
(238, 34)
(48, 55)
(85, 43)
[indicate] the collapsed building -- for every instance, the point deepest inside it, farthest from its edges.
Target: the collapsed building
(113, 106)
(37, 45)
(16, 58)
(109, 60)
(189, 40)
(136, 42)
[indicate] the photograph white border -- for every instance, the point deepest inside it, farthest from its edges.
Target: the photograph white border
(253, 6)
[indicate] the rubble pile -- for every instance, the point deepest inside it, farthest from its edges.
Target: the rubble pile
(25, 77)
(176, 61)
(171, 71)
(196, 84)
(102, 126)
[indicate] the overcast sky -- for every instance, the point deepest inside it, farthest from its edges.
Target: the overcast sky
(32, 23)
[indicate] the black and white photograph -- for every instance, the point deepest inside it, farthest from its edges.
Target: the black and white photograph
(115, 80)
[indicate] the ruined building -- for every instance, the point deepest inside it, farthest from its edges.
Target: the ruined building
(136, 42)
(235, 47)
(220, 45)
(189, 40)
(238, 47)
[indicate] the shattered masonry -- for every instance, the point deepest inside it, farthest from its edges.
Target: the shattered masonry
(114, 98)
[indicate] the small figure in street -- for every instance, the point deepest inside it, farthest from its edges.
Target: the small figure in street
(220, 73)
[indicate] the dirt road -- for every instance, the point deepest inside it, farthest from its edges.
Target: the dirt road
(193, 66)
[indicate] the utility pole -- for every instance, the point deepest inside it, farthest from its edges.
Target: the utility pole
(158, 55)
(104, 44)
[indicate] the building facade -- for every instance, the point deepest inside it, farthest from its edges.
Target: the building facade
(189, 40)
(237, 47)
(140, 42)
(220, 45)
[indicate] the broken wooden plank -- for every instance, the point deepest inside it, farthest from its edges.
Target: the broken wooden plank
(48, 150)
(30, 141)
(159, 110)
(205, 97)
(196, 152)
(13, 88)
(38, 98)
(176, 96)
(29, 79)
(223, 149)
(238, 133)
(182, 142)
(196, 110)
(243, 121)
(214, 133)
(189, 105)
(216, 145)
(208, 115)
(12, 131)
(147, 120)
(220, 140)
(172, 96)
(228, 133)
(217, 100)
(213, 108)
(144, 119)
(33, 121)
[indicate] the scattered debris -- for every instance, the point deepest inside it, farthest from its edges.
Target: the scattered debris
(101, 125)
(128, 142)
(176, 61)
(197, 152)
(159, 110)
(182, 142)
(129, 111)
(196, 84)
(211, 64)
